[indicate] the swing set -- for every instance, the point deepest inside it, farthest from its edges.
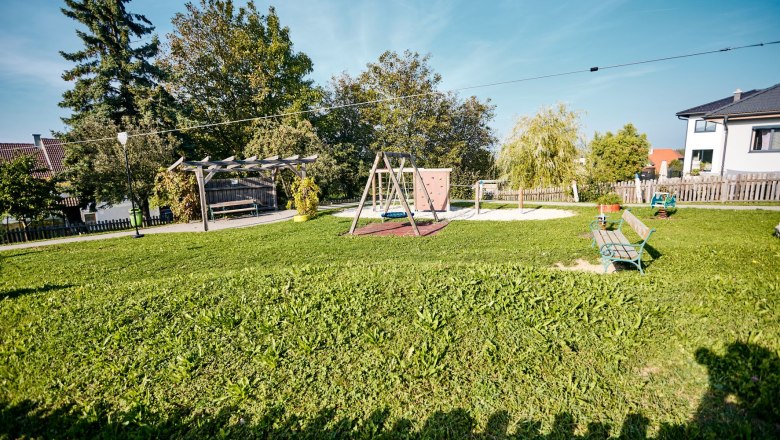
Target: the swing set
(396, 190)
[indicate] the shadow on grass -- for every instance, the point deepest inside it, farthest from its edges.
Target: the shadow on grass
(14, 293)
(743, 401)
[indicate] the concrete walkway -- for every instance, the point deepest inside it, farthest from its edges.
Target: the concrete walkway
(243, 222)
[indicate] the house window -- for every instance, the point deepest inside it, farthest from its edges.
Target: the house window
(766, 139)
(704, 126)
(701, 160)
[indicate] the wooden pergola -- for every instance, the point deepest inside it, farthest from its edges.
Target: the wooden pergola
(206, 169)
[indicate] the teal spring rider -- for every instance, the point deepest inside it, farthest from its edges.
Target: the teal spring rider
(663, 201)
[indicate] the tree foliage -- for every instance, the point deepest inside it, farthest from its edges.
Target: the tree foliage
(617, 157)
(96, 170)
(23, 195)
(177, 190)
(542, 150)
(440, 129)
(231, 63)
(113, 79)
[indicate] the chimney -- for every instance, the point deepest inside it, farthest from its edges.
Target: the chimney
(737, 95)
(39, 144)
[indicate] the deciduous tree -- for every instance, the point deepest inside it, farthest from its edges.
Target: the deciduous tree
(23, 195)
(617, 157)
(97, 168)
(231, 63)
(439, 128)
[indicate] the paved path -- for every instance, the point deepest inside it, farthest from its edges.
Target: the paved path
(263, 218)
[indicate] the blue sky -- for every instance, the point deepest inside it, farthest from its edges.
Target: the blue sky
(471, 43)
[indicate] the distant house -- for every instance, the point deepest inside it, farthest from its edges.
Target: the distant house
(49, 154)
(656, 158)
(735, 135)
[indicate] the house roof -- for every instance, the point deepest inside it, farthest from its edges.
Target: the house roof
(49, 158)
(765, 101)
(753, 102)
(659, 155)
(714, 105)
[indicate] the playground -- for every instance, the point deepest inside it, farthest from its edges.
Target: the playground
(296, 329)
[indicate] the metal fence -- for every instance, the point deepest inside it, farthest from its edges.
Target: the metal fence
(48, 232)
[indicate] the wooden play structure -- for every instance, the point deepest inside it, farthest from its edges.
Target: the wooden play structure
(241, 199)
(436, 180)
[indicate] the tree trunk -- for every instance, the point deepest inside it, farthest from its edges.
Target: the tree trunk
(145, 209)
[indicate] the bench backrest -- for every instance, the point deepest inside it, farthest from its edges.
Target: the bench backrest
(640, 228)
(233, 203)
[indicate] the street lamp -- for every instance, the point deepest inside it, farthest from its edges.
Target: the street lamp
(122, 138)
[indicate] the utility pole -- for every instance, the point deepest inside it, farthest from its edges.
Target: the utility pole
(122, 138)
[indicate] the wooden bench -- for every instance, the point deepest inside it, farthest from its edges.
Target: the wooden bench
(248, 205)
(614, 246)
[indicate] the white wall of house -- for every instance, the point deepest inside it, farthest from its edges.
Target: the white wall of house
(120, 211)
(739, 154)
(701, 142)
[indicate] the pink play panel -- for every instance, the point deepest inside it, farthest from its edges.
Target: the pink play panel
(401, 229)
(437, 182)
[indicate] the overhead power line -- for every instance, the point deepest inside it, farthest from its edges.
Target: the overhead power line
(417, 95)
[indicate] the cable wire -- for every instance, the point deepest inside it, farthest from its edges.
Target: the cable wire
(416, 95)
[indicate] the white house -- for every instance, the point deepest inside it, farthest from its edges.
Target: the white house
(735, 135)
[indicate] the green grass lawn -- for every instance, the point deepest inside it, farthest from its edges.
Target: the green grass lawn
(293, 330)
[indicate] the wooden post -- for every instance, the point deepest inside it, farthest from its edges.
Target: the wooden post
(373, 193)
(365, 193)
(477, 195)
(202, 193)
(381, 190)
(397, 188)
(574, 191)
(273, 189)
(520, 198)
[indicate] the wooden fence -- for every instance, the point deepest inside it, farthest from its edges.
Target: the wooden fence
(228, 190)
(48, 232)
(743, 188)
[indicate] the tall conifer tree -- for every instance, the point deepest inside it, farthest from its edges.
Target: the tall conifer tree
(114, 74)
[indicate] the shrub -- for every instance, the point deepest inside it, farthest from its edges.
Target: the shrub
(177, 190)
(305, 197)
(609, 199)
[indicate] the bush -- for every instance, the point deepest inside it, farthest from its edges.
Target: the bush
(609, 199)
(305, 197)
(177, 190)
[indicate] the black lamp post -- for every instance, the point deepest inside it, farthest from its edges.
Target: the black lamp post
(122, 138)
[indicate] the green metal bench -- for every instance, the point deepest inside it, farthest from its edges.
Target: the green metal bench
(614, 246)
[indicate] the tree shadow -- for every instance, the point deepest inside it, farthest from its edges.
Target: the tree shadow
(14, 293)
(741, 402)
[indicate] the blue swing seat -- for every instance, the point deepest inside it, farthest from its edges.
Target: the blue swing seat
(396, 214)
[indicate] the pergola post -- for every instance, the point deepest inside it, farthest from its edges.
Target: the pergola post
(202, 194)
(273, 189)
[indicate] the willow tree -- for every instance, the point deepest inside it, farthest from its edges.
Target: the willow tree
(542, 150)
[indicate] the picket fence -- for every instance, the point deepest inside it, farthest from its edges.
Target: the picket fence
(741, 188)
(48, 232)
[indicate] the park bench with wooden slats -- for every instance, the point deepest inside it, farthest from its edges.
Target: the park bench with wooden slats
(613, 244)
(247, 205)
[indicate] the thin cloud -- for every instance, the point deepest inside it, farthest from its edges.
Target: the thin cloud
(18, 63)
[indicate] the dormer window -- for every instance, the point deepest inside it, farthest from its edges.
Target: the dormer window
(703, 126)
